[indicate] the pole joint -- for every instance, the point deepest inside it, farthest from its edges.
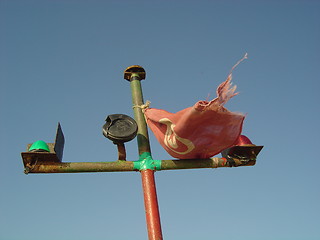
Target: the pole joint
(147, 162)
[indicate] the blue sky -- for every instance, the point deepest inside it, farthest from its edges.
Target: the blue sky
(63, 61)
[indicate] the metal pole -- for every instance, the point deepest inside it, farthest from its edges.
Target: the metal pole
(32, 165)
(151, 205)
(135, 74)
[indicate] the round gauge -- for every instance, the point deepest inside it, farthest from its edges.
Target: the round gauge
(120, 128)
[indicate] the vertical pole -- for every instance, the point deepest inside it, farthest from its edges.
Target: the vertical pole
(135, 74)
(151, 205)
(137, 101)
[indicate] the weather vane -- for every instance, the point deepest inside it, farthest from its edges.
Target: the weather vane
(192, 136)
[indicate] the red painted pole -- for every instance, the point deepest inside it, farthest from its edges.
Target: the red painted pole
(151, 205)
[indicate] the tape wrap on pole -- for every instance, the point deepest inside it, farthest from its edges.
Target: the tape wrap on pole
(146, 162)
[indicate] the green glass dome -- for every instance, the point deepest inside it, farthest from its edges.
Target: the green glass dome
(39, 146)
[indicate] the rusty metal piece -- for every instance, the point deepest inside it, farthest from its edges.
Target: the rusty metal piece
(151, 205)
(121, 151)
(35, 166)
(244, 153)
(41, 157)
(135, 69)
(203, 163)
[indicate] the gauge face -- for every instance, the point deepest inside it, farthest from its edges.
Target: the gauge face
(120, 128)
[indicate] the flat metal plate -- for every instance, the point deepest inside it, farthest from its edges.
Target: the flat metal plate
(30, 159)
(59, 143)
(242, 152)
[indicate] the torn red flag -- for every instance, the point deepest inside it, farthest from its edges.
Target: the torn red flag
(200, 131)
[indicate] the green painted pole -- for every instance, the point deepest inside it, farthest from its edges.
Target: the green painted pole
(135, 74)
(137, 101)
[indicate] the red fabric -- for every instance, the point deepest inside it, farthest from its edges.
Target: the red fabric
(201, 131)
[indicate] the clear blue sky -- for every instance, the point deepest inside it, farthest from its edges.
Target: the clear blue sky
(64, 61)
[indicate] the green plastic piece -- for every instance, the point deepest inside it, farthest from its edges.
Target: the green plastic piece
(39, 146)
(146, 162)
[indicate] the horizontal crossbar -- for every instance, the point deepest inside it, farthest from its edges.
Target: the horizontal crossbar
(34, 165)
